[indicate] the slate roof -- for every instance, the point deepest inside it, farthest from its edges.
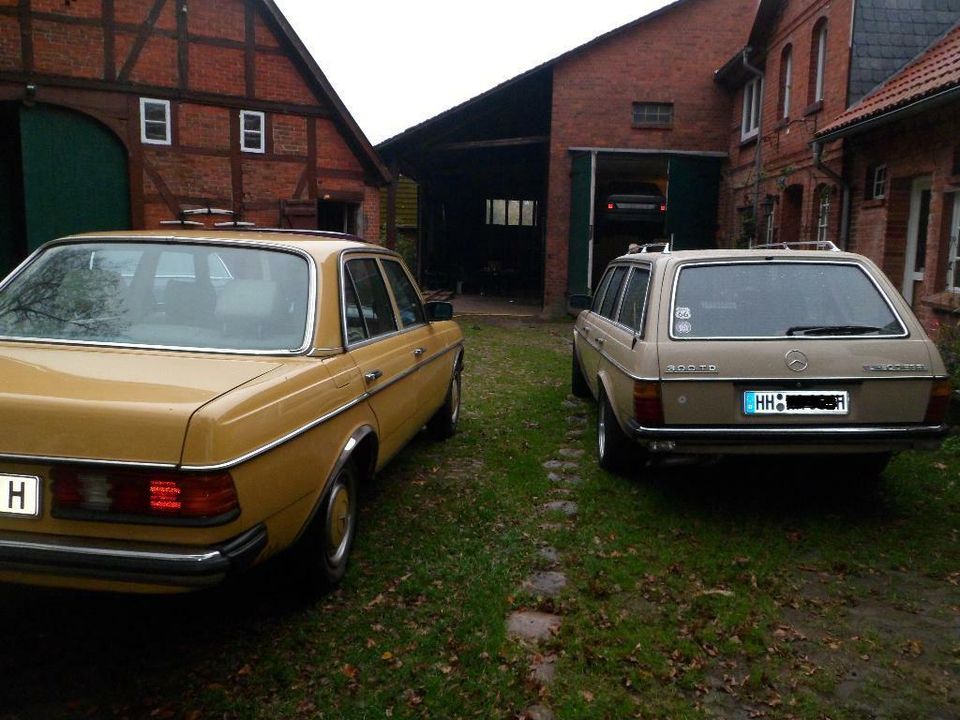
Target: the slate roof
(932, 74)
(887, 34)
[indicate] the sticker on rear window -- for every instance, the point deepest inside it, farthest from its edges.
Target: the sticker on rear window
(683, 313)
(684, 328)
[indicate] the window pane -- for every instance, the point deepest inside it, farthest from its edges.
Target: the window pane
(252, 122)
(613, 292)
(155, 112)
(604, 284)
(513, 212)
(144, 294)
(634, 298)
(754, 300)
(408, 301)
(375, 309)
(529, 212)
(499, 212)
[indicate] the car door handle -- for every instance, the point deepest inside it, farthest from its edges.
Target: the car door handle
(599, 341)
(373, 375)
(418, 352)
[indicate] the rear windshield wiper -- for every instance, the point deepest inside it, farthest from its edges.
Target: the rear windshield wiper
(833, 330)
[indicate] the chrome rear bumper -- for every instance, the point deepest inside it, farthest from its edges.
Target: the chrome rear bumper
(894, 437)
(150, 563)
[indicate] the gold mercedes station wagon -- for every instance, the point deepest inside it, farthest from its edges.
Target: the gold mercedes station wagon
(175, 407)
(788, 350)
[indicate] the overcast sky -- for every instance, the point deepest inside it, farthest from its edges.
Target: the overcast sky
(395, 64)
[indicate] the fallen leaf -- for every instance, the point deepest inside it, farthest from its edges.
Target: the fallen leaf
(587, 695)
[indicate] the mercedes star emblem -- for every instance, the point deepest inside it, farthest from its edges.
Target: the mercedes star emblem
(796, 361)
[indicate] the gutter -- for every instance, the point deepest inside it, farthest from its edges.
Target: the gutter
(757, 155)
(845, 203)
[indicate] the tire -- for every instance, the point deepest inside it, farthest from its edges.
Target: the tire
(324, 549)
(578, 383)
(613, 446)
(443, 424)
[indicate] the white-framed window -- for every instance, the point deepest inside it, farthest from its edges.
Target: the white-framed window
(750, 122)
(823, 215)
(786, 81)
(155, 123)
(878, 182)
(820, 39)
(253, 131)
(653, 114)
(953, 266)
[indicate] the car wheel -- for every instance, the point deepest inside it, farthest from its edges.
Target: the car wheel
(613, 446)
(325, 548)
(578, 383)
(443, 424)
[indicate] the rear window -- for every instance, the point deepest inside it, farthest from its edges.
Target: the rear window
(171, 295)
(780, 299)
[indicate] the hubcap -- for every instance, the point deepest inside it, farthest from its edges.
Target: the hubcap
(601, 429)
(338, 522)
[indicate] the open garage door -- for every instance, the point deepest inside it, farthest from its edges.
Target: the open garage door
(74, 175)
(580, 249)
(692, 194)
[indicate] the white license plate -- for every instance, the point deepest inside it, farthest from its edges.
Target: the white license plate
(20, 495)
(796, 402)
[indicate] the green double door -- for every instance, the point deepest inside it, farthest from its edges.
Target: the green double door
(61, 172)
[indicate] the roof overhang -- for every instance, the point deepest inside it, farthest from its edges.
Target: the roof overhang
(890, 116)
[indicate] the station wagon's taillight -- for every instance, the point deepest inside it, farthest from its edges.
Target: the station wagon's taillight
(160, 494)
(647, 405)
(939, 401)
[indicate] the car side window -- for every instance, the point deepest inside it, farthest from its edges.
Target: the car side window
(406, 295)
(609, 306)
(634, 299)
(604, 283)
(369, 313)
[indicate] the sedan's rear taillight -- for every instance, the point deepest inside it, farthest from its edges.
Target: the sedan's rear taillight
(939, 401)
(647, 405)
(149, 493)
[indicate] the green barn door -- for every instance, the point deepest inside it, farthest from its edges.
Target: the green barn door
(74, 175)
(692, 196)
(580, 246)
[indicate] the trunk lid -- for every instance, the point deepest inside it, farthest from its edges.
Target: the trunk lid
(109, 404)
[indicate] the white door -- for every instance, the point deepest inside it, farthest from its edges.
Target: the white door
(915, 256)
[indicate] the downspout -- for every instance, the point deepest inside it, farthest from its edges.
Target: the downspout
(757, 160)
(845, 203)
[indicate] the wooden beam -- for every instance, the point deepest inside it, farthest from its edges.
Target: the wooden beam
(183, 45)
(392, 208)
(236, 165)
(311, 170)
(250, 49)
(142, 36)
(26, 36)
(109, 39)
(498, 143)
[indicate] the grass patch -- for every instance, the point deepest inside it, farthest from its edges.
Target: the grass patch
(731, 590)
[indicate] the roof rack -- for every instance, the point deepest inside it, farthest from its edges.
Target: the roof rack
(663, 247)
(800, 245)
(184, 214)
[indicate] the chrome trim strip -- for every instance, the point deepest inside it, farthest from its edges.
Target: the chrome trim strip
(279, 441)
(226, 241)
(781, 261)
(109, 552)
(415, 368)
(794, 380)
(58, 459)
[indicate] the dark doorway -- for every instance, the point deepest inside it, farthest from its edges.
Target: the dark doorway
(791, 216)
(337, 216)
(13, 221)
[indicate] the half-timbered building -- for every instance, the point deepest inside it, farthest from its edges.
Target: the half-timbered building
(124, 113)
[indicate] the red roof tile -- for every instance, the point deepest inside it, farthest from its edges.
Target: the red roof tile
(936, 69)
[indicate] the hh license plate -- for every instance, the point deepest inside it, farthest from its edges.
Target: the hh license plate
(796, 402)
(19, 495)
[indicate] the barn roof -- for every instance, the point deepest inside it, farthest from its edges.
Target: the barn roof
(354, 135)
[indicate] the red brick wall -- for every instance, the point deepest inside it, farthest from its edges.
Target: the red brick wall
(202, 165)
(784, 144)
(669, 58)
(922, 146)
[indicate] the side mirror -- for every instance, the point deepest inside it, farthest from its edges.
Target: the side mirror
(439, 310)
(579, 302)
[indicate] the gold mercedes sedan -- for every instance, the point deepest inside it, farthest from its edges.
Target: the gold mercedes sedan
(793, 349)
(178, 406)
